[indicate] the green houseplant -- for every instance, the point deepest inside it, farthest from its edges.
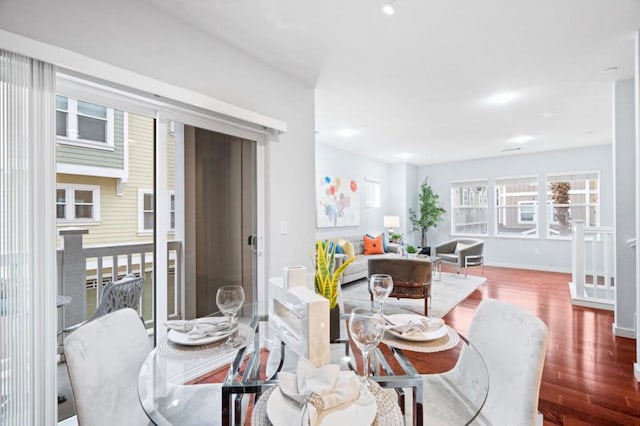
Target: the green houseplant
(326, 281)
(411, 249)
(396, 238)
(429, 212)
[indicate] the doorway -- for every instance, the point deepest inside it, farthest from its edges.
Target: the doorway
(220, 217)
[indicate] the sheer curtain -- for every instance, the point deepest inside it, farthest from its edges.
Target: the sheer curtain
(27, 242)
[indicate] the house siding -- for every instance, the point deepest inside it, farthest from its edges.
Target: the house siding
(86, 156)
(119, 213)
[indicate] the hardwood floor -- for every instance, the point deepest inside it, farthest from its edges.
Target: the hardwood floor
(588, 373)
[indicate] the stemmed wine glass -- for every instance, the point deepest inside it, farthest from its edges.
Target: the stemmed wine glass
(366, 327)
(229, 300)
(380, 286)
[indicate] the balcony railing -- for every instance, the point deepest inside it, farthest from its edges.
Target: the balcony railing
(593, 265)
(82, 272)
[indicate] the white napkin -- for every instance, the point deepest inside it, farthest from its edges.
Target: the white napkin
(319, 388)
(200, 327)
(416, 325)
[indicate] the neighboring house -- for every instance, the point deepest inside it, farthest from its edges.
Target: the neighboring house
(105, 173)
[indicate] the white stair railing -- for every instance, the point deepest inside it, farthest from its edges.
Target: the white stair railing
(592, 266)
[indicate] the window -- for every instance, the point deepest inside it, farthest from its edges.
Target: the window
(570, 197)
(146, 212)
(469, 208)
(84, 123)
(517, 206)
(77, 203)
(372, 189)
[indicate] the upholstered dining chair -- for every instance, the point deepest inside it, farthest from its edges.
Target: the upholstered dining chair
(103, 360)
(513, 345)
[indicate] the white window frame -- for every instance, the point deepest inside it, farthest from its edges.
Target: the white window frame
(586, 206)
(532, 204)
(372, 193)
(72, 137)
(70, 204)
(468, 203)
(146, 191)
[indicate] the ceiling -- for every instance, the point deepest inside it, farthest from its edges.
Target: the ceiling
(417, 82)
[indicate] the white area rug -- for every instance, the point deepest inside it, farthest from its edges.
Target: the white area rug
(445, 294)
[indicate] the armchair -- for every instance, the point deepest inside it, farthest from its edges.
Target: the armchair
(462, 252)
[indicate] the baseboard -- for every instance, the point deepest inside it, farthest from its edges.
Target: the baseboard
(629, 333)
(529, 267)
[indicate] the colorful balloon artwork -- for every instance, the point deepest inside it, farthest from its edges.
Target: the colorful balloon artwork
(338, 205)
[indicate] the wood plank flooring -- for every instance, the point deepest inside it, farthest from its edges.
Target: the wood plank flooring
(588, 373)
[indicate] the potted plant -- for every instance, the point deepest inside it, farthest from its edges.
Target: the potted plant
(396, 238)
(412, 251)
(428, 215)
(560, 197)
(326, 282)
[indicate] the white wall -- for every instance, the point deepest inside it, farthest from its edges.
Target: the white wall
(625, 225)
(539, 253)
(141, 38)
(335, 162)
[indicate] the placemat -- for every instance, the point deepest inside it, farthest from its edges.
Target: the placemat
(442, 344)
(168, 349)
(387, 409)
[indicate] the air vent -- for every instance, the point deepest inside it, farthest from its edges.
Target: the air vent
(510, 149)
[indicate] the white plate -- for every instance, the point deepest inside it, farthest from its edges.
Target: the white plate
(283, 412)
(184, 339)
(402, 319)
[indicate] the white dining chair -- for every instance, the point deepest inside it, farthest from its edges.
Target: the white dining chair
(513, 345)
(103, 360)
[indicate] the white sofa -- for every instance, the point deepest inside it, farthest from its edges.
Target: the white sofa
(358, 268)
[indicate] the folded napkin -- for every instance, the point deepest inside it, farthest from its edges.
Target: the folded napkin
(201, 327)
(319, 388)
(415, 325)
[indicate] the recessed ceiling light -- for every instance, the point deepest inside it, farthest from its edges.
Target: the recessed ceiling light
(611, 70)
(404, 155)
(388, 8)
(521, 139)
(510, 149)
(347, 133)
(502, 98)
(548, 114)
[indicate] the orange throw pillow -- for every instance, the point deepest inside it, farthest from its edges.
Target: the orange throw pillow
(373, 245)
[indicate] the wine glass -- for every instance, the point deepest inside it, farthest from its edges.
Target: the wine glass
(380, 286)
(366, 327)
(229, 300)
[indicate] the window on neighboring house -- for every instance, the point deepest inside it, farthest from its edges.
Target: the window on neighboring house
(84, 123)
(516, 206)
(146, 212)
(571, 197)
(77, 203)
(372, 189)
(469, 208)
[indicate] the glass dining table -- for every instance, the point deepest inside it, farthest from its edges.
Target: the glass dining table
(417, 372)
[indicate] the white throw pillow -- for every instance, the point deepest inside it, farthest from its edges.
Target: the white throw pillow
(461, 246)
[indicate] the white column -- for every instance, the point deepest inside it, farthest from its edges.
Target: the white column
(160, 266)
(577, 258)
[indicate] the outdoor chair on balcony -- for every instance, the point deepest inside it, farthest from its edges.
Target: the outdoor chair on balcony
(125, 293)
(462, 252)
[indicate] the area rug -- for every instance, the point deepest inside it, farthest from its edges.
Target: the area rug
(445, 294)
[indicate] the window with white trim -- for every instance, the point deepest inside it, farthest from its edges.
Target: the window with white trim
(517, 206)
(146, 212)
(570, 197)
(469, 208)
(372, 192)
(84, 123)
(77, 203)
